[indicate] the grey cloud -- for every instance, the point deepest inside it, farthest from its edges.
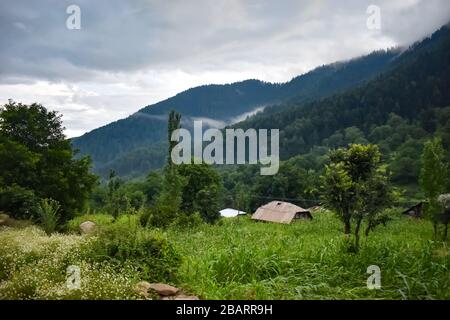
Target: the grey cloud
(119, 36)
(129, 54)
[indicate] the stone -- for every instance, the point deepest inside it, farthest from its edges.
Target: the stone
(185, 297)
(87, 227)
(142, 288)
(164, 289)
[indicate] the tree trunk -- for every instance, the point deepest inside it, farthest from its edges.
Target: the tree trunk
(435, 230)
(358, 226)
(347, 225)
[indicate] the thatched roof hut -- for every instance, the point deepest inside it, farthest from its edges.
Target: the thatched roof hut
(415, 211)
(281, 212)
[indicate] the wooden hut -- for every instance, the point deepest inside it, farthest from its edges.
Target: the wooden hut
(281, 212)
(415, 211)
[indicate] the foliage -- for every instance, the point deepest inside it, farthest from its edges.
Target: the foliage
(135, 145)
(433, 175)
(356, 187)
(241, 259)
(188, 221)
(146, 250)
(19, 202)
(159, 216)
(236, 259)
(201, 190)
(99, 219)
(34, 266)
(433, 178)
(48, 213)
(34, 155)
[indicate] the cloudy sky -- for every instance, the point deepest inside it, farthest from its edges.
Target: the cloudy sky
(129, 54)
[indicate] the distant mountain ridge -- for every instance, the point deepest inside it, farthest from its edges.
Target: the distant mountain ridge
(135, 145)
(414, 83)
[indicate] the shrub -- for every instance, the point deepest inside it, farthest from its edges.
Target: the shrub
(187, 220)
(137, 199)
(18, 202)
(48, 214)
(160, 216)
(131, 245)
(34, 266)
(145, 216)
(99, 219)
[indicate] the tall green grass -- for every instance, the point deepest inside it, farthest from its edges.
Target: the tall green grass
(244, 259)
(235, 259)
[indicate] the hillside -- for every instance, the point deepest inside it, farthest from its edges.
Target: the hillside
(134, 145)
(399, 111)
(414, 83)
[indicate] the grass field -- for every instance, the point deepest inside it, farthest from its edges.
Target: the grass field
(242, 259)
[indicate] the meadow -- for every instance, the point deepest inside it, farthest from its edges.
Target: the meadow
(234, 259)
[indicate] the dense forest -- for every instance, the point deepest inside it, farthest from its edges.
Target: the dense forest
(400, 109)
(134, 145)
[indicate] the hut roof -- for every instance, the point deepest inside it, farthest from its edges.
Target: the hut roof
(278, 211)
(229, 213)
(415, 211)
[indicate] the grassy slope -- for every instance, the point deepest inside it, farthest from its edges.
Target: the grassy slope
(242, 259)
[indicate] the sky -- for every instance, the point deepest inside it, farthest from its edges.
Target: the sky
(120, 56)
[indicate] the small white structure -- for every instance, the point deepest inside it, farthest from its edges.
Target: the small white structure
(231, 213)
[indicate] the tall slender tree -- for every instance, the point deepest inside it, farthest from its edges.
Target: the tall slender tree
(433, 178)
(355, 186)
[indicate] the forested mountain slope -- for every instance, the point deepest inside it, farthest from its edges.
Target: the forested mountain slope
(414, 83)
(134, 145)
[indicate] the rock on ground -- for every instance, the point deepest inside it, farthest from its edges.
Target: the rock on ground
(164, 289)
(87, 227)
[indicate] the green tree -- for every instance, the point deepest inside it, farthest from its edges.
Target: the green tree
(356, 186)
(117, 201)
(169, 200)
(152, 186)
(36, 156)
(433, 178)
(201, 190)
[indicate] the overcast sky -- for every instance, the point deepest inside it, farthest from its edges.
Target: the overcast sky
(129, 54)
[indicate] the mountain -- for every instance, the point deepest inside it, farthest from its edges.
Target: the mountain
(412, 86)
(134, 145)
(398, 110)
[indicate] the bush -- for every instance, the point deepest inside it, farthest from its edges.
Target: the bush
(187, 220)
(99, 219)
(160, 216)
(18, 202)
(147, 251)
(34, 266)
(145, 216)
(137, 199)
(48, 214)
